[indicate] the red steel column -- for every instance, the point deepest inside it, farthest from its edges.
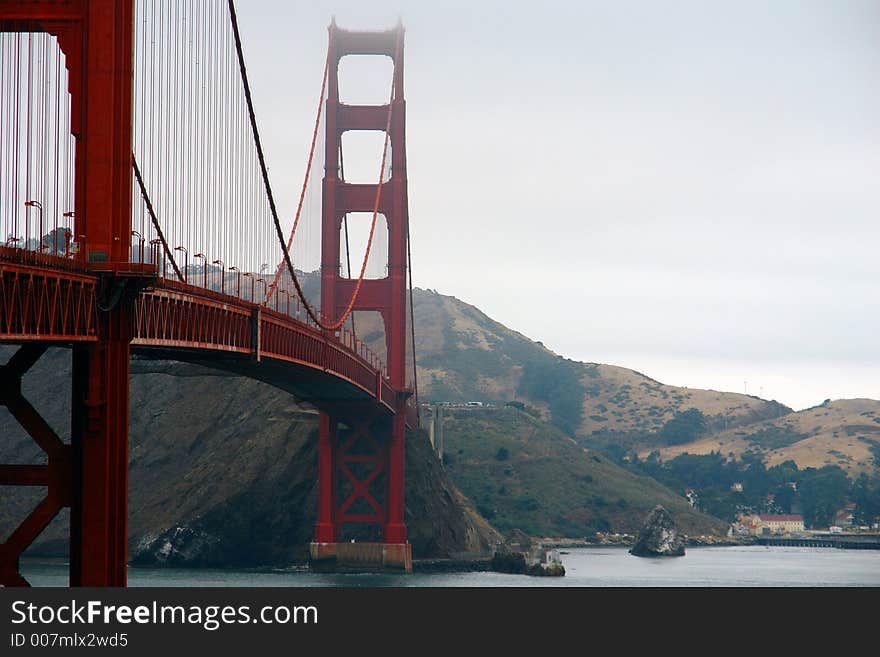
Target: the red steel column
(325, 528)
(329, 219)
(97, 37)
(99, 514)
(99, 435)
(103, 149)
(388, 295)
(100, 409)
(395, 529)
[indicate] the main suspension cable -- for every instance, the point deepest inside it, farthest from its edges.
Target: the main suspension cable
(262, 160)
(265, 174)
(155, 220)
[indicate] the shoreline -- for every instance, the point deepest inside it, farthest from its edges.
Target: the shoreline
(482, 563)
(629, 541)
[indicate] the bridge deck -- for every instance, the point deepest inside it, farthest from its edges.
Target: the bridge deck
(49, 299)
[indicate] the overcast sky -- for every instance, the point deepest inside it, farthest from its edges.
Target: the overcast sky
(688, 189)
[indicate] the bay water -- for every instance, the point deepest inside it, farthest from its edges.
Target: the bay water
(729, 566)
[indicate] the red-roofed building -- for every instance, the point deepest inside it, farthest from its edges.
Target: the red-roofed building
(844, 517)
(780, 523)
(773, 523)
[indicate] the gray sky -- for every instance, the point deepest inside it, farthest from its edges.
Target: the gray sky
(688, 189)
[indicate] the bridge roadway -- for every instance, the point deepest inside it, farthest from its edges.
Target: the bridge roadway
(51, 300)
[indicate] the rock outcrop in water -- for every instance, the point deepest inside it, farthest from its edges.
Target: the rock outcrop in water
(659, 536)
(518, 555)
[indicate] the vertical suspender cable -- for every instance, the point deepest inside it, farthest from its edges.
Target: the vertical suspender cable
(27, 171)
(308, 172)
(57, 145)
(259, 147)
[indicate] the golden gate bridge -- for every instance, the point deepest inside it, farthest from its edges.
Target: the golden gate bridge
(137, 216)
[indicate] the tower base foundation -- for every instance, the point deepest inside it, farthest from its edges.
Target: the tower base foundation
(329, 557)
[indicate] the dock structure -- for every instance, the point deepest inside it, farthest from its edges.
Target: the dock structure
(823, 541)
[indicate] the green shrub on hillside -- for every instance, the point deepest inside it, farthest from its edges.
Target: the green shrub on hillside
(555, 380)
(684, 427)
(774, 437)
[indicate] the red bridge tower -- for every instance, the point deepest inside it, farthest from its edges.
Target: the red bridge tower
(361, 468)
(89, 475)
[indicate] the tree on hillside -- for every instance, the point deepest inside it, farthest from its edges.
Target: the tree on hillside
(702, 471)
(866, 495)
(784, 472)
(822, 492)
(684, 427)
(756, 482)
(717, 502)
(556, 381)
(783, 497)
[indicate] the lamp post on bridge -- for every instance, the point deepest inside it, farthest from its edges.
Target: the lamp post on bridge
(12, 240)
(140, 237)
(204, 269)
(69, 231)
(185, 260)
(39, 206)
(154, 243)
(263, 281)
(247, 274)
(237, 280)
(222, 275)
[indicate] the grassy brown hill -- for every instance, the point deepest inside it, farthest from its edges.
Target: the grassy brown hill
(464, 355)
(844, 432)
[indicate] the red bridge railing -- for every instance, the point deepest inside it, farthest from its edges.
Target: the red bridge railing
(174, 315)
(39, 300)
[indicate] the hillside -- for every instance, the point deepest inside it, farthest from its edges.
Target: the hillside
(224, 471)
(223, 468)
(844, 432)
(465, 355)
(525, 473)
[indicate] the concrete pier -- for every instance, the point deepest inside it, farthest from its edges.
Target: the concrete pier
(326, 557)
(434, 424)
